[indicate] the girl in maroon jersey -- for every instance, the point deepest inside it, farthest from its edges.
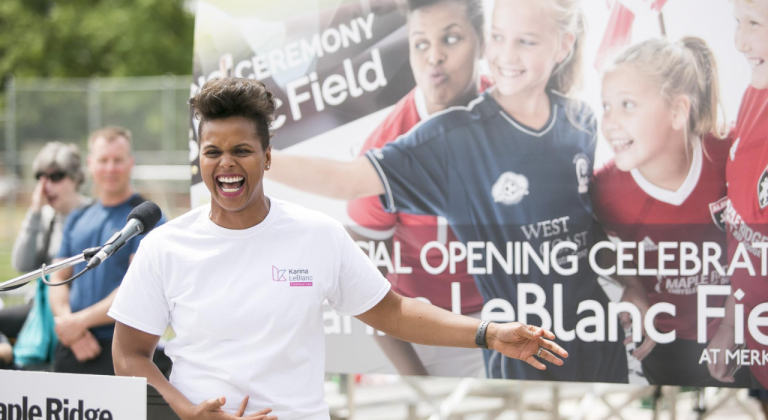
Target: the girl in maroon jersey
(665, 184)
(746, 174)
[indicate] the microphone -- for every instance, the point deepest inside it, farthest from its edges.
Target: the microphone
(142, 219)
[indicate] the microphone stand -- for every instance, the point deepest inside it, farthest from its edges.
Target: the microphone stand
(48, 269)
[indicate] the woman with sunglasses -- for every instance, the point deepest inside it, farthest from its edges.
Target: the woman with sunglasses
(59, 175)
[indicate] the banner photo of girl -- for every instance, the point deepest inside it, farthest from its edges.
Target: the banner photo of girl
(599, 169)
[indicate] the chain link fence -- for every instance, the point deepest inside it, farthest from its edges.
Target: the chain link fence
(37, 111)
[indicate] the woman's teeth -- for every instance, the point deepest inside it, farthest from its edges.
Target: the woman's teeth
(754, 62)
(231, 184)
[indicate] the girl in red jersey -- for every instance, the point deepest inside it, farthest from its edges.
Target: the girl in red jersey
(747, 211)
(665, 184)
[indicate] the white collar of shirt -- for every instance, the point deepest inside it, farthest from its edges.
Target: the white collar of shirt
(678, 197)
(239, 233)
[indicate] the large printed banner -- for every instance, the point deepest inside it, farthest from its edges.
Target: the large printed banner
(559, 163)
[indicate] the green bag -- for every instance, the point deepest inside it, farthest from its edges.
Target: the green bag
(37, 340)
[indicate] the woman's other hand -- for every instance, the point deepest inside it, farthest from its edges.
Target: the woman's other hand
(211, 409)
(526, 343)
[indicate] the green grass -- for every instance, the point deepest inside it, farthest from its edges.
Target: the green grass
(7, 272)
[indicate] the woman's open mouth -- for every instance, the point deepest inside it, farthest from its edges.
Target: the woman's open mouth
(230, 185)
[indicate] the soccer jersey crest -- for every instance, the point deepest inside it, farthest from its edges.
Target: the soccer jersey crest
(717, 211)
(582, 172)
(762, 189)
(510, 188)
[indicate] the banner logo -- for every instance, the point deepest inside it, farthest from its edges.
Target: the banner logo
(510, 189)
(582, 172)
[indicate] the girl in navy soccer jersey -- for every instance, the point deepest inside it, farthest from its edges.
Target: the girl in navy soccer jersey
(445, 39)
(513, 166)
(666, 184)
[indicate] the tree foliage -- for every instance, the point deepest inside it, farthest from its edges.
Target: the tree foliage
(84, 38)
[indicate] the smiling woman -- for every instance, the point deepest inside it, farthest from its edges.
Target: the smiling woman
(235, 151)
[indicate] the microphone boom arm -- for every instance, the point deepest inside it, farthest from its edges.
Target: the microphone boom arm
(48, 269)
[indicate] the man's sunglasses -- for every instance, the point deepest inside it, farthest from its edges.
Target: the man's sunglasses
(53, 176)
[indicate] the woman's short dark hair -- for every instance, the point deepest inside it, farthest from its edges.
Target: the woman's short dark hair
(474, 10)
(235, 97)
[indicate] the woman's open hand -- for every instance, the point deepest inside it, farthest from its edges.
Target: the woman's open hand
(211, 410)
(526, 343)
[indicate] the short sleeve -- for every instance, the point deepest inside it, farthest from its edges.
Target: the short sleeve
(65, 250)
(359, 285)
(141, 301)
(370, 218)
(414, 174)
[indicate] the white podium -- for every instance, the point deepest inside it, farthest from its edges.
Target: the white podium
(60, 396)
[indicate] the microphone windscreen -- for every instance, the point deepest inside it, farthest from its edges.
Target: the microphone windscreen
(148, 213)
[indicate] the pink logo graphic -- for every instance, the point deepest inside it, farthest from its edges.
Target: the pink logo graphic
(278, 274)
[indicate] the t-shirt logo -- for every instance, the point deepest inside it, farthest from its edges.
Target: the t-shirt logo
(278, 274)
(762, 189)
(733, 149)
(717, 210)
(510, 188)
(296, 276)
(582, 172)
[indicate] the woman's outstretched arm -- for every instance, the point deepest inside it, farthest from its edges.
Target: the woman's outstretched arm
(342, 180)
(419, 322)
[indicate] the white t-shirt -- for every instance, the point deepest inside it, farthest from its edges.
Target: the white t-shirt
(246, 304)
